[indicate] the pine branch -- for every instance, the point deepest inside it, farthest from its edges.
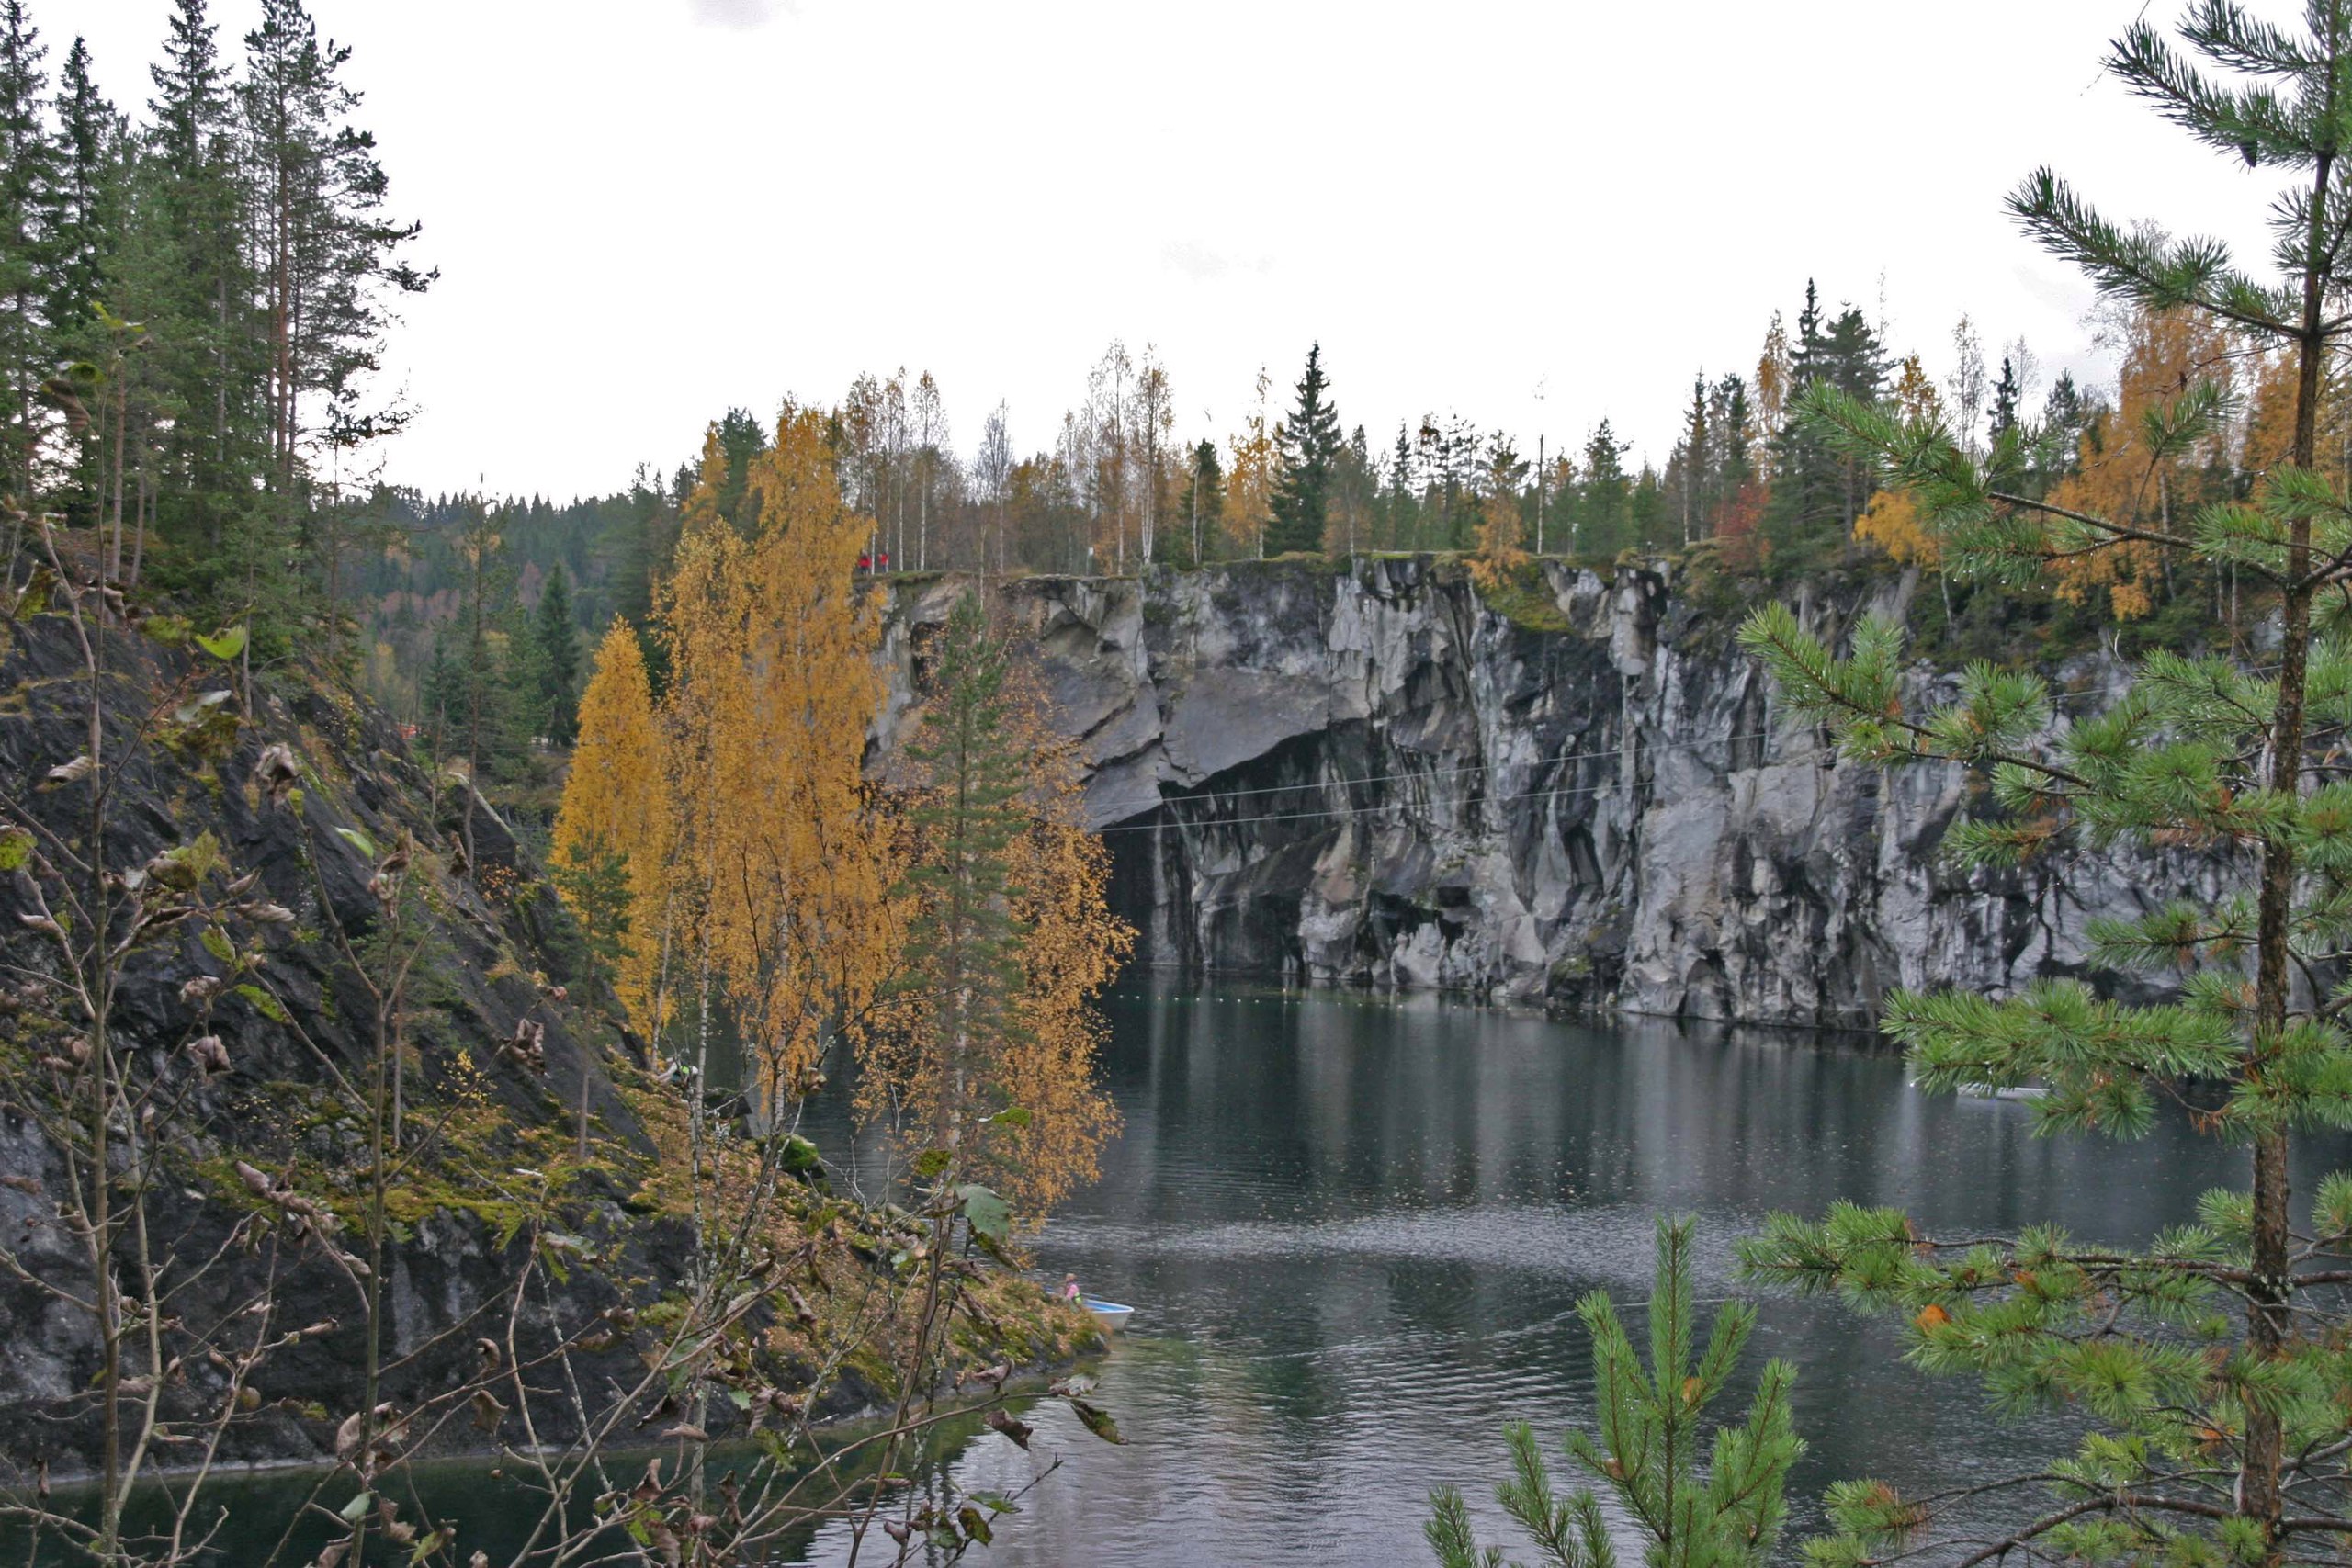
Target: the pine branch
(2252, 123)
(2139, 267)
(2116, 531)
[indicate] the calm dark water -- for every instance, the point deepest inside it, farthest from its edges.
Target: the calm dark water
(1354, 1230)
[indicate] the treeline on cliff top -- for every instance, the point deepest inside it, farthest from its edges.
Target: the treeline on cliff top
(194, 293)
(1754, 497)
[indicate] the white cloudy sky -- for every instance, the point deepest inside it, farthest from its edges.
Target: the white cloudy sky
(645, 210)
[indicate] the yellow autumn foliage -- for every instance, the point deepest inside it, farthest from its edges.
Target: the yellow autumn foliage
(768, 899)
(1892, 523)
(1502, 539)
(779, 877)
(1074, 947)
(993, 1047)
(1892, 520)
(616, 801)
(2125, 481)
(1250, 471)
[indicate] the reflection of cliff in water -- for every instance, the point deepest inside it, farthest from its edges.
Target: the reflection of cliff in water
(1355, 1230)
(1368, 774)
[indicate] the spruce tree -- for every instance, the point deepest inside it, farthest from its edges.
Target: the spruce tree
(1818, 490)
(556, 643)
(1692, 464)
(2007, 397)
(27, 174)
(85, 204)
(741, 437)
(2058, 440)
(1309, 442)
(1604, 510)
(1732, 426)
(2208, 1366)
(1202, 505)
(85, 216)
(1646, 513)
(961, 963)
(194, 290)
(1401, 496)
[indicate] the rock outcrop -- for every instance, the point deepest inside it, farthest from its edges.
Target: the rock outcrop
(1371, 775)
(533, 1152)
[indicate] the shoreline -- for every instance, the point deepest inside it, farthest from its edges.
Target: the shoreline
(1028, 1382)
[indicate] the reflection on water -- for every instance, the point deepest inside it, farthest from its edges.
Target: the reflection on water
(1355, 1231)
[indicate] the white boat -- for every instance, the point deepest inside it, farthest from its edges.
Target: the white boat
(1109, 1315)
(2013, 1091)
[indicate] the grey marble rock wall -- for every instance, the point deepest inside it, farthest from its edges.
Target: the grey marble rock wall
(1370, 775)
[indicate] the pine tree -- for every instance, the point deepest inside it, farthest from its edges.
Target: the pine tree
(327, 261)
(1309, 442)
(556, 644)
(2208, 1366)
(1727, 1515)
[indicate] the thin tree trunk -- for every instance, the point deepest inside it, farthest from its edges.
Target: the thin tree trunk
(2260, 1490)
(138, 540)
(122, 439)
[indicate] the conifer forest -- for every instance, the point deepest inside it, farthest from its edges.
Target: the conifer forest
(1167, 979)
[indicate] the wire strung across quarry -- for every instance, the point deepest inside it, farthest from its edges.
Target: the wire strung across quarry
(1557, 791)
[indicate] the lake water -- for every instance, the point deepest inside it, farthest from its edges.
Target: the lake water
(1354, 1230)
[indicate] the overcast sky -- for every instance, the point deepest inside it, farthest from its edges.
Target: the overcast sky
(1536, 215)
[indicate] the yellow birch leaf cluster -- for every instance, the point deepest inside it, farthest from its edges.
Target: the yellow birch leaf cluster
(779, 876)
(617, 802)
(1061, 874)
(987, 1052)
(1249, 475)
(2270, 418)
(2122, 478)
(772, 886)
(1502, 538)
(756, 871)
(1892, 520)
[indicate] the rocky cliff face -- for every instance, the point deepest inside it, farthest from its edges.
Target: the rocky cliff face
(294, 1023)
(1370, 775)
(532, 1191)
